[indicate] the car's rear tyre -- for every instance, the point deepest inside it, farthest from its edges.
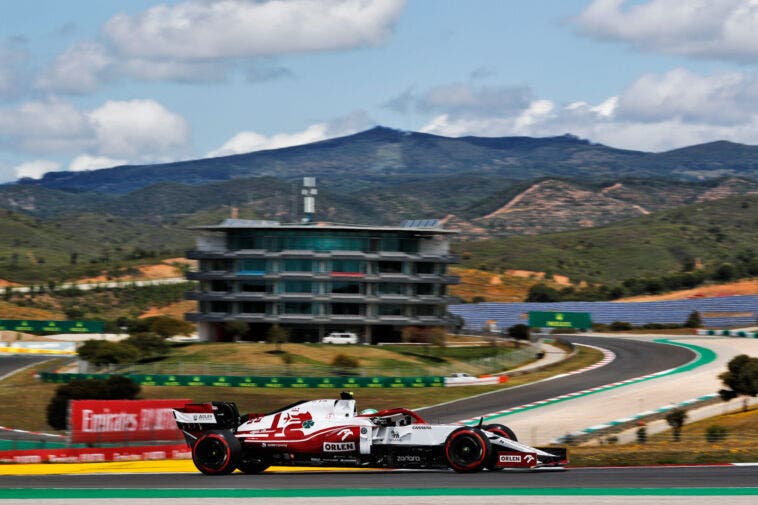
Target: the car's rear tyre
(503, 431)
(216, 452)
(467, 450)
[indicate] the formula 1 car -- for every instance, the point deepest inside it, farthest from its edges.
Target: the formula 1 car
(332, 433)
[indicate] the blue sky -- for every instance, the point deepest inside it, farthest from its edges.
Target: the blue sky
(86, 84)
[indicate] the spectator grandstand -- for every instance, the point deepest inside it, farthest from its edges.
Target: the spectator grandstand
(722, 312)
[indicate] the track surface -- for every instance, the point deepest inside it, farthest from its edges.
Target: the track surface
(606, 478)
(633, 359)
(9, 364)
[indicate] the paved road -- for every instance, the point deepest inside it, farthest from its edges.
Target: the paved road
(633, 359)
(636, 477)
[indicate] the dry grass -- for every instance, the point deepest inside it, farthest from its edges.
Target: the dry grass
(740, 445)
(491, 286)
(11, 311)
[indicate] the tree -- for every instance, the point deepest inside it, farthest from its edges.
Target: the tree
(115, 387)
(676, 419)
(235, 329)
(741, 377)
(103, 352)
(168, 326)
(543, 293)
(276, 335)
(519, 332)
(694, 320)
(149, 344)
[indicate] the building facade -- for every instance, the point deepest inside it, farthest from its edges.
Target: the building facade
(314, 279)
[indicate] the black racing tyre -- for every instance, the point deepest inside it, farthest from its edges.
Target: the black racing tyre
(216, 452)
(467, 450)
(502, 430)
(250, 465)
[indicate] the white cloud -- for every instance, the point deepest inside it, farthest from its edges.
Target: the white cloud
(654, 113)
(249, 141)
(36, 169)
(131, 128)
(87, 162)
(202, 30)
(723, 29)
(81, 69)
(136, 129)
(463, 98)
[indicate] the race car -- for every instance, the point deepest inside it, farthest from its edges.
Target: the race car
(331, 433)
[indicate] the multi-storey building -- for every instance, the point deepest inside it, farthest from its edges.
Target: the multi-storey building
(317, 278)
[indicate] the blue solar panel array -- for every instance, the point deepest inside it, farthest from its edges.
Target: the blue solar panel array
(723, 312)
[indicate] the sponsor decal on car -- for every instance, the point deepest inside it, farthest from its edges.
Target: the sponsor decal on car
(514, 459)
(339, 446)
(421, 427)
(408, 459)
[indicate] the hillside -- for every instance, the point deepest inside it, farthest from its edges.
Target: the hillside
(383, 155)
(671, 241)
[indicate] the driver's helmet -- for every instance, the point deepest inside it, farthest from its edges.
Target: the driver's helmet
(368, 412)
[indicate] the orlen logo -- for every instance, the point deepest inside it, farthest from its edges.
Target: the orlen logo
(339, 446)
(510, 458)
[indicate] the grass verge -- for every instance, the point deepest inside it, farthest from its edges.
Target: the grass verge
(740, 445)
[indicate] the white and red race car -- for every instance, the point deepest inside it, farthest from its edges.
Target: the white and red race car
(332, 433)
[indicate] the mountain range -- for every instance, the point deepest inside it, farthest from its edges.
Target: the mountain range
(482, 187)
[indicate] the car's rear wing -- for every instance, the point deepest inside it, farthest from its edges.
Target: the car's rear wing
(198, 417)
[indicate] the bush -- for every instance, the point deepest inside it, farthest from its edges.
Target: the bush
(715, 433)
(676, 419)
(103, 352)
(149, 344)
(115, 387)
(345, 361)
(276, 335)
(543, 293)
(519, 332)
(620, 326)
(694, 320)
(168, 326)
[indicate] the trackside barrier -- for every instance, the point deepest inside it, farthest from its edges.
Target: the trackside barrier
(97, 454)
(259, 382)
(730, 333)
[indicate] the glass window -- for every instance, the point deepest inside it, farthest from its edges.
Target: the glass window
(254, 307)
(347, 266)
(391, 309)
(392, 288)
(425, 310)
(215, 265)
(347, 309)
(297, 308)
(219, 285)
(219, 306)
(298, 287)
(252, 266)
(424, 267)
(298, 265)
(424, 289)
(346, 287)
(390, 267)
(255, 287)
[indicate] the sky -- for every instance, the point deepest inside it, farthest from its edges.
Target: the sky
(87, 84)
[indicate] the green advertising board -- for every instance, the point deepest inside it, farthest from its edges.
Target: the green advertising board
(261, 382)
(560, 320)
(35, 326)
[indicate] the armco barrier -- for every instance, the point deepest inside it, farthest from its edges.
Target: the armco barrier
(260, 382)
(97, 454)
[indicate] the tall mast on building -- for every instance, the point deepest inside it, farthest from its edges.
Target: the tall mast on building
(309, 193)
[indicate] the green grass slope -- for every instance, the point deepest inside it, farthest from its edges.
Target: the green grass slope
(654, 245)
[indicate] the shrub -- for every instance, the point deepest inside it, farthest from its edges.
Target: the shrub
(168, 326)
(276, 335)
(676, 419)
(694, 320)
(345, 361)
(115, 387)
(715, 433)
(149, 344)
(543, 293)
(103, 352)
(620, 326)
(519, 332)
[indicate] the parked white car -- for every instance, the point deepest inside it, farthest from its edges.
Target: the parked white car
(344, 337)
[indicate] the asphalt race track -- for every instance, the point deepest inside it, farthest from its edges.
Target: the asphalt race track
(633, 359)
(9, 364)
(606, 478)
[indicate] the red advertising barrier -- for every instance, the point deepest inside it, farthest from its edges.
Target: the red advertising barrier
(94, 421)
(97, 454)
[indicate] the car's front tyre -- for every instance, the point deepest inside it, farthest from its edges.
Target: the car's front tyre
(467, 450)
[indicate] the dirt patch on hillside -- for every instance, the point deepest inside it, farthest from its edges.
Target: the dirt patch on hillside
(175, 310)
(745, 287)
(4, 283)
(529, 274)
(167, 269)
